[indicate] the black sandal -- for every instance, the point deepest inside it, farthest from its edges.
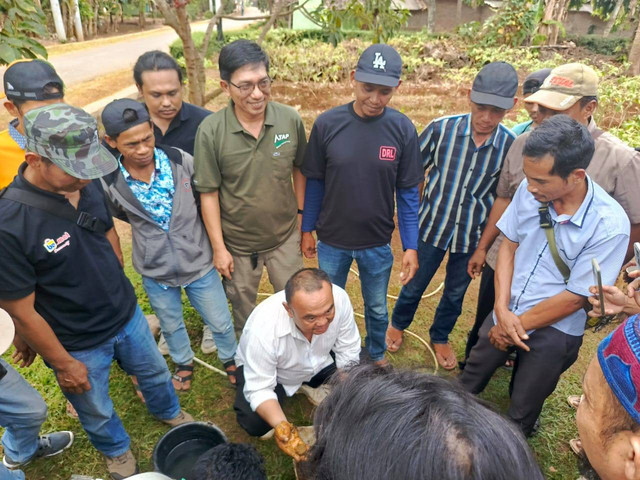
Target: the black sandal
(230, 373)
(186, 378)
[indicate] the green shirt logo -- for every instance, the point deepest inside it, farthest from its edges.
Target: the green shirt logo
(280, 139)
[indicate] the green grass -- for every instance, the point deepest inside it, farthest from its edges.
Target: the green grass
(211, 398)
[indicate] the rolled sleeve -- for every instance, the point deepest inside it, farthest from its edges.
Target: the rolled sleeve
(207, 176)
(260, 372)
(508, 223)
(347, 346)
(609, 254)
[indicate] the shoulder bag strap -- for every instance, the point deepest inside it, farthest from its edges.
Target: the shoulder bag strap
(82, 219)
(547, 225)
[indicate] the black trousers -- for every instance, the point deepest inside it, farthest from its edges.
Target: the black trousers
(535, 373)
(253, 423)
(486, 299)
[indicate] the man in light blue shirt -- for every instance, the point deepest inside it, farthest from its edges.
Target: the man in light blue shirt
(536, 311)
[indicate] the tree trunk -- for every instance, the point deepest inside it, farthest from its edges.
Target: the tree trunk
(277, 6)
(555, 12)
(633, 4)
(57, 20)
(612, 18)
(459, 12)
(77, 21)
(431, 16)
(193, 61)
(634, 53)
(141, 20)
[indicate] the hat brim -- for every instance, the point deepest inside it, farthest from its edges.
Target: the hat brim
(96, 163)
(8, 331)
(481, 98)
(553, 100)
(376, 79)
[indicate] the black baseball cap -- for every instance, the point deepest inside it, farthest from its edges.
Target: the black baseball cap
(113, 116)
(496, 85)
(534, 81)
(379, 64)
(26, 79)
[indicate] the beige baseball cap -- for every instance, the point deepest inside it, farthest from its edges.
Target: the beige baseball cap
(7, 331)
(565, 85)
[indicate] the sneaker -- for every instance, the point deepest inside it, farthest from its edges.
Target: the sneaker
(123, 466)
(208, 345)
(48, 446)
(163, 346)
(183, 417)
(315, 395)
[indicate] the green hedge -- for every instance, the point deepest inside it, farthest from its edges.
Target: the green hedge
(601, 45)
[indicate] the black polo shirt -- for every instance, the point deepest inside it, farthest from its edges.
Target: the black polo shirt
(80, 288)
(182, 129)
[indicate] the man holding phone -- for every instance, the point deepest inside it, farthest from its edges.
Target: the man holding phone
(559, 220)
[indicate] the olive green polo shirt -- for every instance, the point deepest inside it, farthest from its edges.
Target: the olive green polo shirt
(258, 209)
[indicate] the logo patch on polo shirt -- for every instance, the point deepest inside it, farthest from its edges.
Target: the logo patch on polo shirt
(186, 183)
(280, 139)
(388, 154)
(54, 246)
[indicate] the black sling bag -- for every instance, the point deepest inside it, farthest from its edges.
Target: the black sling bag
(82, 219)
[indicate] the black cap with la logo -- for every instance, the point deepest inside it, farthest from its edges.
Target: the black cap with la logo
(379, 64)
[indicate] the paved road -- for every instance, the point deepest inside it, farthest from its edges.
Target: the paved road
(84, 65)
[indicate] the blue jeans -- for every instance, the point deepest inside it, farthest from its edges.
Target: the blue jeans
(6, 474)
(374, 266)
(455, 286)
(207, 297)
(135, 350)
(22, 413)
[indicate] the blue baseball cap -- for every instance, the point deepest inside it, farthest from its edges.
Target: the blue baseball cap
(379, 64)
(496, 85)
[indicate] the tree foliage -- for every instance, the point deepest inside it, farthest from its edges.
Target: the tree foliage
(20, 22)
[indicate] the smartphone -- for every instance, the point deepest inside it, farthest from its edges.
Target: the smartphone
(636, 254)
(597, 276)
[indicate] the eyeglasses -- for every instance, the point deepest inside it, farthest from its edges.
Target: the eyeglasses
(247, 88)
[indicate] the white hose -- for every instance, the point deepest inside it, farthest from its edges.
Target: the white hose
(210, 367)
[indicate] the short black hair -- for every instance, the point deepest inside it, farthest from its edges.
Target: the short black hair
(129, 115)
(307, 279)
(154, 61)
(229, 461)
(566, 140)
(239, 53)
(377, 423)
(584, 101)
(49, 89)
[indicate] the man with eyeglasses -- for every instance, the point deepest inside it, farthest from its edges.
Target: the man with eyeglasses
(245, 156)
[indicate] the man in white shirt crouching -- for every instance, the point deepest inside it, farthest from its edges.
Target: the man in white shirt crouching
(290, 341)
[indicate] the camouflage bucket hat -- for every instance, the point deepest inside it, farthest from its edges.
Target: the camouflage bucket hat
(68, 136)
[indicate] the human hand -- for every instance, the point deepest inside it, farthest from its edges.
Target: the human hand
(289, 441)
(409, 266)
(73, 377)
(308, 245)
(630, 266)
(223, 262)
(511, 326)
(476, 262)
(614, 299)
(499, 338)
(23, 353)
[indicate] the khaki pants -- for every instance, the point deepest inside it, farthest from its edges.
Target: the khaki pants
(242, 289)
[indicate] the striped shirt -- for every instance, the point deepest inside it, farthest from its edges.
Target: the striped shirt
(460, 186)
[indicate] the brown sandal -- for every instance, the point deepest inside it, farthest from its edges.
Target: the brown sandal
(182, 380)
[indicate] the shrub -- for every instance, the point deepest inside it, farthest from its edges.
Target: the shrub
(599, 44)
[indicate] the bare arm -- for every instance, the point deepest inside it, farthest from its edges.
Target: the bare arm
(299, 186)
(114, 240)
(30, 326)
(271, 412)
(552, 309)
(222, 259)
(489, 234)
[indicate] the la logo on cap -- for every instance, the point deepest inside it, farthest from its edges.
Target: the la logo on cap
(379, 61)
